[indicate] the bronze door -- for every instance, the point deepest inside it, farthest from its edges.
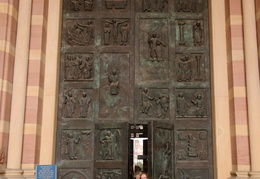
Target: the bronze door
(111, 150)
(134, 62)
(161, 156)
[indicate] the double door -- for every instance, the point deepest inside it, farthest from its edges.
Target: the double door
(128, 62)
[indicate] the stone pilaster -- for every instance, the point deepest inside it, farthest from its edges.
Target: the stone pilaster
(19, 91)
(253, 85)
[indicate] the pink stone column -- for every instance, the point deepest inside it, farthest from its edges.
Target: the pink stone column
(19, 91)
(252, 84)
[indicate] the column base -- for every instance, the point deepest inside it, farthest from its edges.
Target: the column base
(29, 173)
(254, 174)
(13, 174)
(239, 174)
(245, 174)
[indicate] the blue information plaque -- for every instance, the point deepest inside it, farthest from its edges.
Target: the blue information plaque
(46, 171)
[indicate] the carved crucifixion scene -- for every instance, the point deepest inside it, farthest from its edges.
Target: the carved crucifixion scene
(116, 32)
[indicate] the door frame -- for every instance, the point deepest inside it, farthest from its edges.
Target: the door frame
(220, 98)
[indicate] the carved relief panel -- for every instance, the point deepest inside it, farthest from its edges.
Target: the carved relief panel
(192, 145)
(111, 150)
(80, 32)
(79, 67)
(135, 61)
(162, 137)
(109, 173)
(190, 67)
(190, 33)
(75, 173)
(189, 6)
(116, 32)
(155, 5)
(75, 149)
(77, 103)
(116, 4)
(193, 173)
(76, 144)
(75, 6)
(191, 103)
(114, 85)
(154, 49)
(109, 144)
(153, 103)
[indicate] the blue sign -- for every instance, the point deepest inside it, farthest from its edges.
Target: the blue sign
(46, 172)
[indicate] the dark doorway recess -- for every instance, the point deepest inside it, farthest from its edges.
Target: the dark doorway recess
(134, 74)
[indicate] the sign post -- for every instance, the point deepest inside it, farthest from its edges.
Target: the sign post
(46, 172)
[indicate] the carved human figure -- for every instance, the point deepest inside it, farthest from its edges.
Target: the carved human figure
(70, 104)
(71, 142)
(163, 101)
(199, 104)
(146, 102)
(113, 79)
(90, 31)
(84, 102)
(192, 146)
(146, 5)
(72, 68)
(181, 105)
(109, 144)
(106, 31)
(184, 70)
(85, 67)
(166, 157)
(160, 4)
(124, 30)
(88, 5)
(75, 5)
(155, 45)
(197, 33)
(115, 24)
